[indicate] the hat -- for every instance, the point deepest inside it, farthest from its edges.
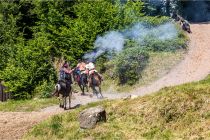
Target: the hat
(65, 65)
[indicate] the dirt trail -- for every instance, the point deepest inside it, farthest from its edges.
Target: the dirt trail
(194, 67)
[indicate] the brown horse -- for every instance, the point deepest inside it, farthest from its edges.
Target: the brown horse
(63, 90)
(95, 81)
(81, 80)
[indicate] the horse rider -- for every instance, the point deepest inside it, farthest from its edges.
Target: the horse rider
(65, 75)
(81, 70)
(90, 69)
(81, 67)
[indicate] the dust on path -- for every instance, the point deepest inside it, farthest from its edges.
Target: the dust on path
(194, 67)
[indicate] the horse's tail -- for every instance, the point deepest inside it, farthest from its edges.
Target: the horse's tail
(57, 89)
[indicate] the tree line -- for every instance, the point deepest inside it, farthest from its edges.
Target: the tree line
(34, 33)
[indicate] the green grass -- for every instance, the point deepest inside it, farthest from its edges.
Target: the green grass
(181, 112)
(159, 64)
(27, 105)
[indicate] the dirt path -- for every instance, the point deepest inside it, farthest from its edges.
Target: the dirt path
(194, 67)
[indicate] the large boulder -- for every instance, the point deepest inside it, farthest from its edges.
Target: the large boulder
(88, 118)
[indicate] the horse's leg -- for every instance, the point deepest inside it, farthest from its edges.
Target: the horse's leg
(87, 87)
(83, 89)
(60, 100)
(92, 90)
(100, 92)
(65, 103)
(95, 91)
(80, 86)
(70, 93)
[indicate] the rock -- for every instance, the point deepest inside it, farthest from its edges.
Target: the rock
(134, 96)
(88, 118)
(126, 97)
(129, 97)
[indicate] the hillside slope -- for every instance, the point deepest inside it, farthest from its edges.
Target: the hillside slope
(194, 67)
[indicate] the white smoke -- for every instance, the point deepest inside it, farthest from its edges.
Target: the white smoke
(115, 40)
(163, 32)
(111, 41)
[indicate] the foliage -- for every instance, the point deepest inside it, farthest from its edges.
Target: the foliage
(129, 64)
(30, 66)
(44, 89)
(33, 34)
(180, 112)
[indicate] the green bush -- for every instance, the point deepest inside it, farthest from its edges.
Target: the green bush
(156, 45)
(129, 64)
(44, 90)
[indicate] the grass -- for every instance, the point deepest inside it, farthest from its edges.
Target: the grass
(181, 112)
(159, 64)
(27, 105)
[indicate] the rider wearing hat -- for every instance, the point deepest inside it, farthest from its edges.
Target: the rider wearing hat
(65, 75)
(90, 69)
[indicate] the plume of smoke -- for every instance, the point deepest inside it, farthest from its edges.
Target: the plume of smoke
(163, 32)
(115, 40)
(111, 41)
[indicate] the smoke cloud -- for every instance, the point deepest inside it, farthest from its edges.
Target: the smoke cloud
(139, 31)
(115, 40)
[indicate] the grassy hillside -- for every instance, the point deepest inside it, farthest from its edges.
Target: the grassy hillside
(181, 112)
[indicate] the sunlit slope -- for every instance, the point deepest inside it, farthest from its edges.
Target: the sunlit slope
(194, 67)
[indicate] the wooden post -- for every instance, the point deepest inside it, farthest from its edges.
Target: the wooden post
(1, 92)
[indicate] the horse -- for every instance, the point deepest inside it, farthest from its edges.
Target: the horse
(81, 80)
(186, 26)
(64, 89)
(95, 81)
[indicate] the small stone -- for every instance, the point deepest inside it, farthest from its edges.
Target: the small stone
(129, 97)
(134, 96)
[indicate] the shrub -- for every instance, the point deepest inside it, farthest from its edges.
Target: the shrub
(44, 90)
(129, 64)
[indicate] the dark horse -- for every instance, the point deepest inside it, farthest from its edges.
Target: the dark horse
(64, 89)
(81, 80)
(186, 26)
(95, 81)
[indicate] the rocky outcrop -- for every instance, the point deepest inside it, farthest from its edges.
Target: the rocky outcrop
(88, 118)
